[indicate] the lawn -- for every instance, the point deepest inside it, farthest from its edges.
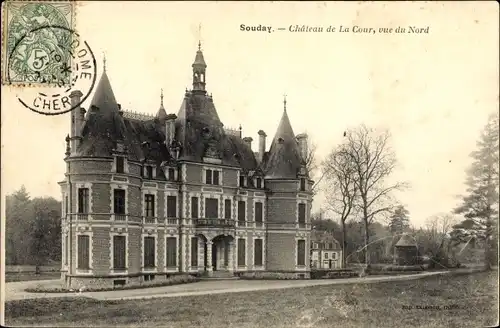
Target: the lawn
(27, 276)
(463, 300)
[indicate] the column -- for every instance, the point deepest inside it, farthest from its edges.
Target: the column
(209, 257)
(230, 264)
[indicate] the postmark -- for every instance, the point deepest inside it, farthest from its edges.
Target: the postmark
(25, 54)
(74, 76)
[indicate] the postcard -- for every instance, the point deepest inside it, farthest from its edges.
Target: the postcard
(249, 164)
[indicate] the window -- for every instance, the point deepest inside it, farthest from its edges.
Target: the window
(212, 177)
(227, 209)
(84, 252)
(119, 253)
(171, 174)
(241, 211)
(194, 251)
(242, 180)
(241, 252)
(302, 214)
(258, 213)
(326, 255)
(149, 172)
(211, 208)
(171, 206)
(83, 200)
(208, 176)
(119, 201)
(66, 247)
(194, 207)
(120, 164)
(171, 251)
(258, 252)
(149, 252)
(334, 256)
(215, 175)
(66, 204)
(315, 245)
(301, 252)
(258, 183)
(302, 184)
(150, 205)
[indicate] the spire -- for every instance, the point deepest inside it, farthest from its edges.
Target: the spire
(199, 70)
(104, 98)
(104, 61)
(162, 113)
(284, 159)
(284, 102)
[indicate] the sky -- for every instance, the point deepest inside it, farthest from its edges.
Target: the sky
(433, 91)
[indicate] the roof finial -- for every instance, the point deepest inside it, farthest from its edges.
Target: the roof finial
(284, 102)
(104, 60)
(161, 97)
(199, 37)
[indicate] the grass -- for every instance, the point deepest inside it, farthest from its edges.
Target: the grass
(471, 301)
(27, 276)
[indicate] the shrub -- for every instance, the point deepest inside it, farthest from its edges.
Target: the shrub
(173, 280)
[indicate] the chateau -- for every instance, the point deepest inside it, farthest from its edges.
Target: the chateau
(146, 197)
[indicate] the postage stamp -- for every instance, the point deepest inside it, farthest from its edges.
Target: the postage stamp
(65, 80)
(33, 52)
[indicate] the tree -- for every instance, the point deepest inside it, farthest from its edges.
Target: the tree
(435, 240)
(399, 221)
(339, 173)
(33, 229)
(480, 204)
(45, 231)
(373, 162)
(18, 213)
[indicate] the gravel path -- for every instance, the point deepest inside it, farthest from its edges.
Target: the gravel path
(15, 290)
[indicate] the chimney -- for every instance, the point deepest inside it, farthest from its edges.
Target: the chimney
(248, 141)
(77, 119)
(302, 140)
(262, 144)
(169, 129)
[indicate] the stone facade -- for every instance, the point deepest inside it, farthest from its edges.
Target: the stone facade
(142, 201)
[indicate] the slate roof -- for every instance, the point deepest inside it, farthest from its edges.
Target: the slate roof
(198, 130)
(406, 240)
(324, 238)
(283, 160)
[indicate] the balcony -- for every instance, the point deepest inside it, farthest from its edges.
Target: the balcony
(210, 222)
(82, 216)
(149, 219)
(120, 217)
(171, 221)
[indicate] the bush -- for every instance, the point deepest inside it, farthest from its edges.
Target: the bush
(173, 280)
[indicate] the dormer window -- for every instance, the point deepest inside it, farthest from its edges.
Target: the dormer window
(302, 184)
(258, 183)
(242, 180)
(119, 164)
(149, 172)
(171, 174)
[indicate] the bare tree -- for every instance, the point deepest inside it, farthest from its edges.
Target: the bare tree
(434, 238)
(340, 178)
(373, 163)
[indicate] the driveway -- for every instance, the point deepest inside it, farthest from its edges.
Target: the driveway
(15, 290)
